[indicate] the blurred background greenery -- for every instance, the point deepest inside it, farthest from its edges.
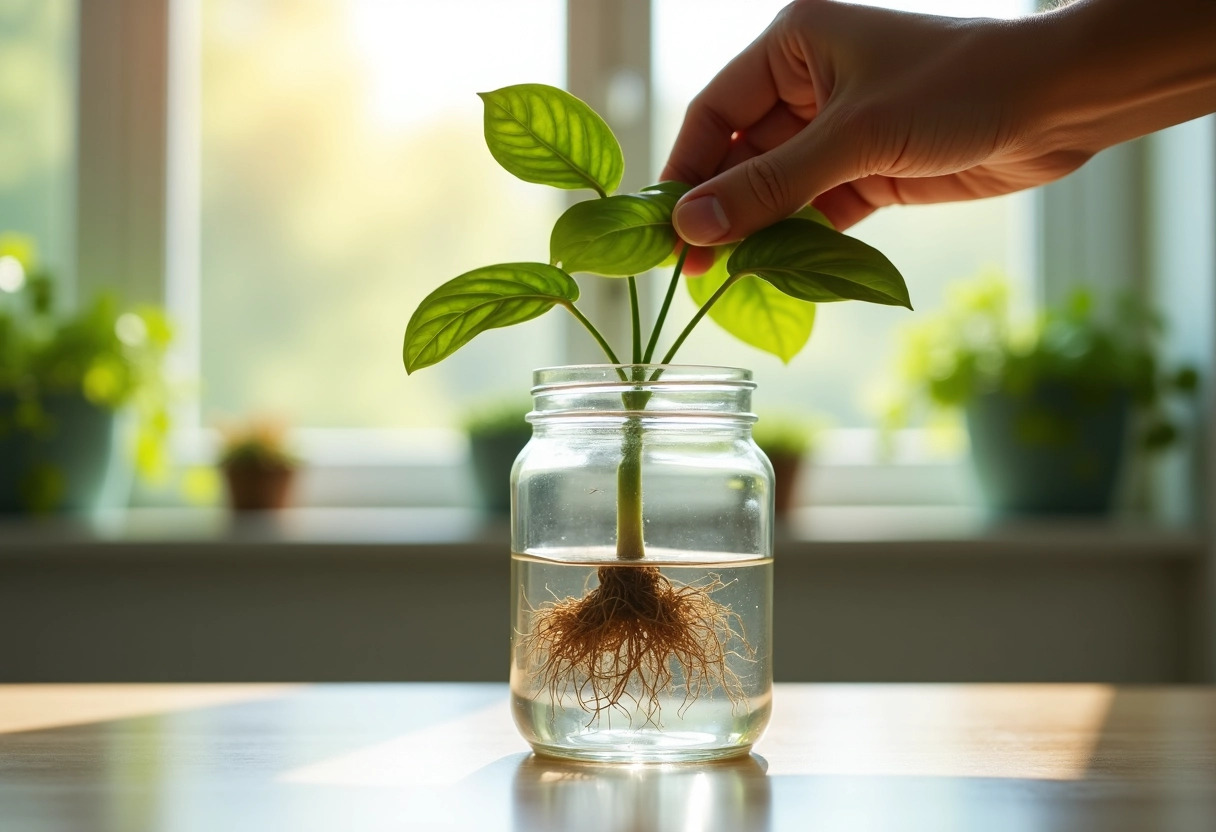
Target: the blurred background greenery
(342, 175)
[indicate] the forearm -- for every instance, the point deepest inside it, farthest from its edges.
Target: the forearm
(1112, 70)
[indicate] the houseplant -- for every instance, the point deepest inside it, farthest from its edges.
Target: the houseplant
(63, 377)
(258, 467)
(1049, 402)
(497, 432)
(637, 647)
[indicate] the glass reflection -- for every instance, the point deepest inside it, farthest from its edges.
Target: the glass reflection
(563, 795)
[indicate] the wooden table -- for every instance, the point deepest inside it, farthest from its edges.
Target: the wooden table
(434, 757)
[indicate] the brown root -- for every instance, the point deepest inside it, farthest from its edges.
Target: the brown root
(625, 640)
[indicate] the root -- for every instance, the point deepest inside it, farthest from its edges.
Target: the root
(620, 645)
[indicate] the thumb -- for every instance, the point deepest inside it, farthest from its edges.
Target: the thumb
(771, 186)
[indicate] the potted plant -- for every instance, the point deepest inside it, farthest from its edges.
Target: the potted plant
(258, 467)
(63, 377)
(641, 508)
(1049, 403)
(787, 441)
(497, 433)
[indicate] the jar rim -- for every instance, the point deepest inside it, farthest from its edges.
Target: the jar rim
(574, 375)
(663, 392)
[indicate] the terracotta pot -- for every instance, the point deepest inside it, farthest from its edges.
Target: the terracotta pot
(254, 487)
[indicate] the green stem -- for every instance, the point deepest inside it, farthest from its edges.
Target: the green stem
(630, 535)
(630, 543)
(671, 291)
(696, 319)
(636, 316)
(595, 333)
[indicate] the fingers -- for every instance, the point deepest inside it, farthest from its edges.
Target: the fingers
(847, 204)
(698, 261)
(778, 126)
(738, 97)
(769, 187)
(844, 206)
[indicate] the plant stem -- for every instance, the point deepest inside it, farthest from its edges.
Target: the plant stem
(630, 535)
(630, 544)
(636, 316)
(696, 319)
(595, 333)
(671, 291)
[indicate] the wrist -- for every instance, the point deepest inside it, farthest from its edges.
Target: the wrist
(1110, 70)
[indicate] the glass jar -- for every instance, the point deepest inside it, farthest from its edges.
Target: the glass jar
(642, 526)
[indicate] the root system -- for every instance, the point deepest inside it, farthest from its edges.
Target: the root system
(621, 645)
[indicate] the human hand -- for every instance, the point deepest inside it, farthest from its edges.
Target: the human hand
(855, 108)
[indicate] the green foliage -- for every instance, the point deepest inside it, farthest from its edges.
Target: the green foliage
(754, 311)
(972, 348)
(675, 189)
(763, 293)
(616, 237)
(113, 356)
(547, 136)
(485, 298)
(813, 262)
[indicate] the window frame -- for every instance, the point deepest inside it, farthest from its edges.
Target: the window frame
(137, 224)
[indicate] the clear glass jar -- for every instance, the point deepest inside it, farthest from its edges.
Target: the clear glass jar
(642, 524)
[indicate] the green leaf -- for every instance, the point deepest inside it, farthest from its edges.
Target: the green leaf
(669, 188)
(810, 261)
(675, 190)
(485, 298)
(545, 135)
(755, 312)
(618, 236)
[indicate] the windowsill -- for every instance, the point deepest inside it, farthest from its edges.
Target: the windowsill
(820, 532)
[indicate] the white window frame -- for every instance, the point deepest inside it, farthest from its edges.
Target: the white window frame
(137, 220)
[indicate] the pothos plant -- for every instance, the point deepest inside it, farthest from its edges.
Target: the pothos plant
(763, 290)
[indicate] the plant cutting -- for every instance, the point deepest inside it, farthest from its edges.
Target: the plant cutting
(1049, 400)
(637, 635)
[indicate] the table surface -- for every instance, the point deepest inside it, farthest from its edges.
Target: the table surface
(436, 757)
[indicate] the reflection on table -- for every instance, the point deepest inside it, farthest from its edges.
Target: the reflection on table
(181, 758)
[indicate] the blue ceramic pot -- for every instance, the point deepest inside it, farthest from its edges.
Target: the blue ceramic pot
(60, 467)
(1056, 448)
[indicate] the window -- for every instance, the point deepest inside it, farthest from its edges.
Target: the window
(38, 126)
(338, 167)
(343, 177)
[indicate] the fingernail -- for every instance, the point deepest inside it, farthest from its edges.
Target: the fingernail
(701, 221)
